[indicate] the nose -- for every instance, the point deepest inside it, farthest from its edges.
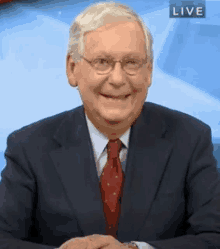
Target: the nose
(117, 75)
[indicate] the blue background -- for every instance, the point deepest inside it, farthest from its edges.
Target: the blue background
(33, 83)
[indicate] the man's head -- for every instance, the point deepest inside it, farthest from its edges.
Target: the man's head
(110, 60)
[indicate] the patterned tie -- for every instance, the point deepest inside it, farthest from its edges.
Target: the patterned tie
(111, 185)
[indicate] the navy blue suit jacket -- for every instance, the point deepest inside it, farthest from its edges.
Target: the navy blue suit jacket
(50, 193)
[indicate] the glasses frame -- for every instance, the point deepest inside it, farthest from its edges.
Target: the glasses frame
(143, 61)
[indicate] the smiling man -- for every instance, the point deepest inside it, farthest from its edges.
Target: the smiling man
(117, 172)
(113, 76)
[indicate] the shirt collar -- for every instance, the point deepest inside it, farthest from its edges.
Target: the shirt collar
(99, 140)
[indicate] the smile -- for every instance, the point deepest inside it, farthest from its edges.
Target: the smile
(115, 97)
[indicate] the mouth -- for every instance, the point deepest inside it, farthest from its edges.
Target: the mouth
(115, 97)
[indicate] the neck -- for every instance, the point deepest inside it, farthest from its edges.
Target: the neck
(111, 129)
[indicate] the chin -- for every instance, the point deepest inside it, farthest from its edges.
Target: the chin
(114, 118)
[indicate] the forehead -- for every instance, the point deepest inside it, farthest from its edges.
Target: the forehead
(116, 39)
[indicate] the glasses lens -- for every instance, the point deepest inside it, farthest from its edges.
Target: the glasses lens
(131, 66)
(105, 65)
(102, 64)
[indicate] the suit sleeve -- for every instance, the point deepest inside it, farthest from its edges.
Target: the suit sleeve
(17, 200)
(143, 245)
(203, 201)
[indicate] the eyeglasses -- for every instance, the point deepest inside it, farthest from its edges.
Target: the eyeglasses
(105, 65)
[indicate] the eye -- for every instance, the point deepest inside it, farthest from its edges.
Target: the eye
(132, 63)
(101, 62)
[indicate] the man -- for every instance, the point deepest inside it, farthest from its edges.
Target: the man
(116, 172)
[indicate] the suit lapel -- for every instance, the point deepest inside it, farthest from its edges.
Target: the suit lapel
(75, 165)
(148, 154)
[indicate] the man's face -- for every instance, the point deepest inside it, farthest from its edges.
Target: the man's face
(116, 97)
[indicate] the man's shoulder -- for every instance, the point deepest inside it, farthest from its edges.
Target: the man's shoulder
(45, 127)
(175, 118)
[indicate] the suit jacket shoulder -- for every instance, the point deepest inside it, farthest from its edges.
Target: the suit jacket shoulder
(45, 128)
(174, 120)
(152, 113)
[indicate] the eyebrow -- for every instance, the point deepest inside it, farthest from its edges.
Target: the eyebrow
(129, 54)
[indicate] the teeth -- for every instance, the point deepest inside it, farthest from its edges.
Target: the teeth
(111, 97)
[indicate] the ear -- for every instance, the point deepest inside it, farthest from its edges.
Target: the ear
(148, 78)
(150, 67)
(70, 66)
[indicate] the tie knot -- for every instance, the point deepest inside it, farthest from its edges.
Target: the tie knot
(114, 148)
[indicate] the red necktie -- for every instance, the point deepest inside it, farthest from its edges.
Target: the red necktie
(111, 185)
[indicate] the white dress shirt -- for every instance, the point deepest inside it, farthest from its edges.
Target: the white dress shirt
(99, 143)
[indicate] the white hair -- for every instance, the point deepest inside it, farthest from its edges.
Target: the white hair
(98, 15)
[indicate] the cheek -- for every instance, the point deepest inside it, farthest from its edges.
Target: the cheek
(87, 81)
(146, 81)
(91, 80)
(141, 84)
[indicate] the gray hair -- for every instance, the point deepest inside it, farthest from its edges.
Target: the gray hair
(98, 15)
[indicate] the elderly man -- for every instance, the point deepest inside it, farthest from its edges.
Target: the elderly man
(116, 172)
